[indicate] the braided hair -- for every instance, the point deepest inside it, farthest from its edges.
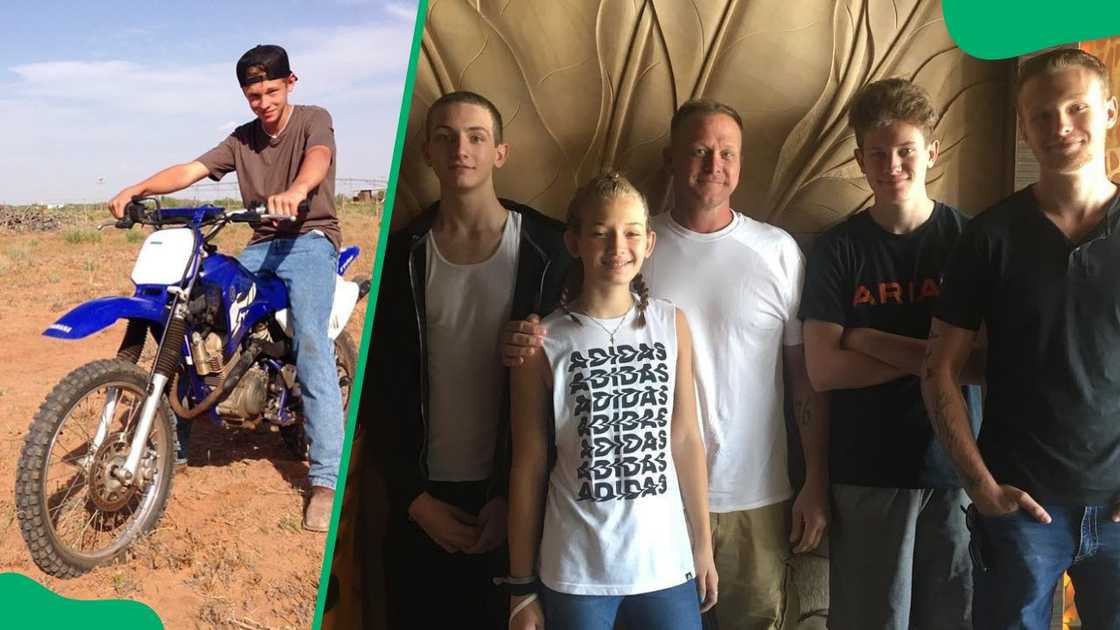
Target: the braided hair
(601, 188)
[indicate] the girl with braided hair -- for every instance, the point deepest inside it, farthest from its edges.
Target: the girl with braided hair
(608, 491)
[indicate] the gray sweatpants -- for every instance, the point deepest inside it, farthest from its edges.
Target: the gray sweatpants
(899, 560)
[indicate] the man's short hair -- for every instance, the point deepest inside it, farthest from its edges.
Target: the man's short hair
(470, 98)
(1060, 59)
(888, 101)
(701, 107)
(263, 62)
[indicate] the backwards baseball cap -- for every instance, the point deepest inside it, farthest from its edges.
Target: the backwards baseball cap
(264, 62)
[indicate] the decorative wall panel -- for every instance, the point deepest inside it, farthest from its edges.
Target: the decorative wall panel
(588, 85)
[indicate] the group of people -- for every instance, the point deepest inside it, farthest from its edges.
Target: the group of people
(585, 421)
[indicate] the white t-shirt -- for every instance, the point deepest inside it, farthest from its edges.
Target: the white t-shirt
(740, 288)
(466, 307)
(614, 520)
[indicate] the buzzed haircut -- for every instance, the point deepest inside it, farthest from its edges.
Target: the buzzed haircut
(702, 107)
(1062, 59)
(888, 101)
(470, 98)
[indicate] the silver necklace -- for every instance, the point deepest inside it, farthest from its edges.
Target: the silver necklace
(283, 124)
(611, 333)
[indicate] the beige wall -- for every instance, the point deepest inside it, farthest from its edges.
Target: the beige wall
(584, 85)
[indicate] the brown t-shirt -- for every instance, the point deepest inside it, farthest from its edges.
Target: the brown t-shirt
(267, 166)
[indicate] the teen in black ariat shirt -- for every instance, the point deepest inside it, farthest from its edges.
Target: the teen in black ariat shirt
(898, 545)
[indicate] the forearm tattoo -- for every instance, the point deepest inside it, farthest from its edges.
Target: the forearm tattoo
(956, 444)
(927, 371)
(803, 411)
(945, 404)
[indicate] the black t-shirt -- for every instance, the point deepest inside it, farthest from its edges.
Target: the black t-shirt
(861, 276)
(1052, 308)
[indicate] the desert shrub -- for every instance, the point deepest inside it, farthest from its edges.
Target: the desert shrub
(79, 235)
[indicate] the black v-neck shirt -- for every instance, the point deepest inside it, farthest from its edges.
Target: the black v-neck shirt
(1052, 309)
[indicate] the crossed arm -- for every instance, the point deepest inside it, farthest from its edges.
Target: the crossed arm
(850, 358)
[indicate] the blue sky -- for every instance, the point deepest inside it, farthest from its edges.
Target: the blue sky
(96, 96)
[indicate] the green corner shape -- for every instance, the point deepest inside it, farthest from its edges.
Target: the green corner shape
(998, 29)
(28, 604)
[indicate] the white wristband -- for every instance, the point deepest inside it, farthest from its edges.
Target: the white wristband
(522, 605)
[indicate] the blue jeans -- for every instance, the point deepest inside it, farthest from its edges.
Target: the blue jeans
(675, 608)
(308, 265)
(1025, 559)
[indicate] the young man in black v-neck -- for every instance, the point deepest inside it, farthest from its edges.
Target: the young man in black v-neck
(1039, 270)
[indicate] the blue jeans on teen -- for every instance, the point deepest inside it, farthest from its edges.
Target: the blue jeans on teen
(675, 608)
(1025, 559)
(308, 265)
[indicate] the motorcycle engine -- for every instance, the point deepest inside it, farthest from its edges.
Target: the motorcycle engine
(247, 400)
(207, 353)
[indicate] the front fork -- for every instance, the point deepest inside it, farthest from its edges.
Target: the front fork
(106, 418)
(131, 347)
(156, 385)
(167, 362)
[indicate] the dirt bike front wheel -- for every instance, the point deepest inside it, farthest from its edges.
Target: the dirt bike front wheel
(74, 514)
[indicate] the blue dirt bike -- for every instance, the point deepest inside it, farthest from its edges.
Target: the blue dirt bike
(96, 467)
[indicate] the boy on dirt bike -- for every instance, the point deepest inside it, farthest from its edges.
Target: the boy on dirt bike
(284, 157)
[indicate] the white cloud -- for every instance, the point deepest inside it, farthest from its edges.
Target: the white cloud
(67, 122)
(403, 11)
(349, 55)
(124, 85)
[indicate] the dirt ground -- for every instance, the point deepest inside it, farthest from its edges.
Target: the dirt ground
(229, 551)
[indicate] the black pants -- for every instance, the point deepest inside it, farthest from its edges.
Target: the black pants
(430, 588)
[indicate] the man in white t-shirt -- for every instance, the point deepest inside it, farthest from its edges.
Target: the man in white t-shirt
(739, 283)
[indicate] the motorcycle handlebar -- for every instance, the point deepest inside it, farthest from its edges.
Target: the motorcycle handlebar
(133, 214)
(257, 211)
(137, 212)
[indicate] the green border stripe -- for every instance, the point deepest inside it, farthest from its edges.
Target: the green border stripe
(375, 283)
(998, 29)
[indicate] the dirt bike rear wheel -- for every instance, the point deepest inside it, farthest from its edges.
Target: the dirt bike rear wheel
(72, 512)
(346, 362)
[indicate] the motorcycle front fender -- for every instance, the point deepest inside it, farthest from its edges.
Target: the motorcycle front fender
(95, 315)
(347, 256)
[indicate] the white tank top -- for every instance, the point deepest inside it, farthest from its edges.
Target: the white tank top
(467, 305)
(614, 520)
